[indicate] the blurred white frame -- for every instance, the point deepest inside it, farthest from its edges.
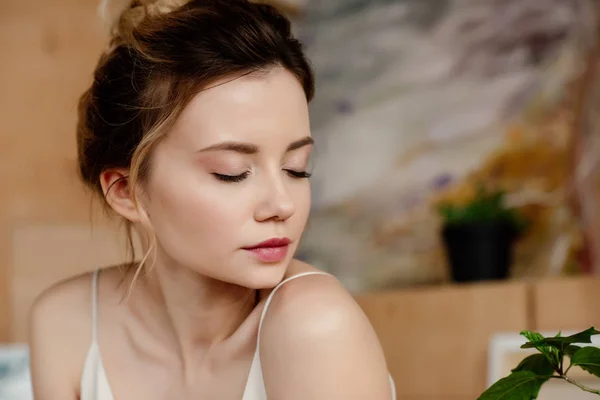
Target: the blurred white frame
(15, 379)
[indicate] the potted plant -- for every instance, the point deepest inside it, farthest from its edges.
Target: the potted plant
(479, 235)
(527, 378)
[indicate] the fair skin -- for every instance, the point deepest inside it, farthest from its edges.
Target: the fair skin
(205, 290)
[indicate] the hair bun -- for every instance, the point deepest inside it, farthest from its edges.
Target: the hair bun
(122, 17)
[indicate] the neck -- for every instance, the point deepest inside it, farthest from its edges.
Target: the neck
(195, 312)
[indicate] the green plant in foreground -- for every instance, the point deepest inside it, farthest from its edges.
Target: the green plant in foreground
(527, 378)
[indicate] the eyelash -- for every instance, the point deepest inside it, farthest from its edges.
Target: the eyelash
(298, 174)
(232, 178)
(241, 177)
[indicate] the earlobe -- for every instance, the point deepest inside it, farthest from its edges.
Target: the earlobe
(119, 194)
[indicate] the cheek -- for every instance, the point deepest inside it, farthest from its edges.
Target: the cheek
(302, 200)
(189, 214)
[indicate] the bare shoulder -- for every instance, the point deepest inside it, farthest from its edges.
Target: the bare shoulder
(68, 294)
(316, 342)
(69, 302)
(313, 295)
(58, 329)
(60, 333)
(61, 313)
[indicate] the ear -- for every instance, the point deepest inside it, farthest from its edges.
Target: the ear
(119, 194)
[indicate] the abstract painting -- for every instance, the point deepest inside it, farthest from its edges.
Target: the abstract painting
(418, 99)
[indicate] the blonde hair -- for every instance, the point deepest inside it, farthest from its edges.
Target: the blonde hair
(161, 54)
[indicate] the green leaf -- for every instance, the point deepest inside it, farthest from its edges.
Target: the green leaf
(486, 207)
(584, 336)
(561, 343)
(537, 363)
(521, 385)
(553, 354)
(571, 349)
(588, 358)
(532, 336)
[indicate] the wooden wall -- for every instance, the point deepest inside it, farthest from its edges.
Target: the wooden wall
(566, 304)
(436, 339)
(48, 50)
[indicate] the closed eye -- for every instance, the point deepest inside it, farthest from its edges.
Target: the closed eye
(232, 178)
(298, 174)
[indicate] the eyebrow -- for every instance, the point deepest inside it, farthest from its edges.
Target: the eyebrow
(300, 143)
(247, 148)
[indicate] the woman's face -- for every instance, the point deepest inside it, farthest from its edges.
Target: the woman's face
(232, 175)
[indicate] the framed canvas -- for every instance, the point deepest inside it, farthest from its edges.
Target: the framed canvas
(505, 353)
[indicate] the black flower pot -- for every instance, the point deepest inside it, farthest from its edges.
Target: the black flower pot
(479, 251)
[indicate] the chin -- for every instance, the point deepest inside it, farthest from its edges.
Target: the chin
(265, 276)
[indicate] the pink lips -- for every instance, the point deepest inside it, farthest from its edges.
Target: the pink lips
(270, 251)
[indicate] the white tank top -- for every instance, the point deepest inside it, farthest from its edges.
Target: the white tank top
(94, 384)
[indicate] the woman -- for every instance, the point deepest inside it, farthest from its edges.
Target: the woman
(196, 132)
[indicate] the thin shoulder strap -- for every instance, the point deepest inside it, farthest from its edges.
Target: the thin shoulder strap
(272, 294)
(264, 313)
(95, 304)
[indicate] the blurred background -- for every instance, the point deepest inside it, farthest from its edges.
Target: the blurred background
(456, 184)
(421, 102)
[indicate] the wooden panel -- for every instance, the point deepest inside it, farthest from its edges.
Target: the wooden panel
(4, 286)
(436, 339)
(567, 303)
(48, 51)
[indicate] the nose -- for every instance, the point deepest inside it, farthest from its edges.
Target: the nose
(276, 203)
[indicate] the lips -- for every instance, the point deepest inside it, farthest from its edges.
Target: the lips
(275, 242)
(270, 251)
